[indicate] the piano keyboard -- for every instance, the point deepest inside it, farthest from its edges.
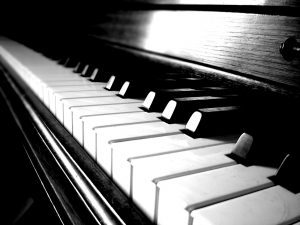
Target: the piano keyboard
(173, 177)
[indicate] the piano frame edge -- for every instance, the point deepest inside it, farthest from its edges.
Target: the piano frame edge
(52, 151)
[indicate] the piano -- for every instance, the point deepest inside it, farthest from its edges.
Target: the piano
(154, 112)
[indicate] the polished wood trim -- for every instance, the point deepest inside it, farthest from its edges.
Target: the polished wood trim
(218, 2)
(276, 7)
(239, 43)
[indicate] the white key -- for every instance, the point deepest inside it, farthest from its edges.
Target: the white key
(39, 66)
(106, 135)
(64, 111)
(23, 72)
(45, 82)
(178, 197)
(58, 81)
(147, 171)
(58, 97)
(53, 83)
(44, 73)
(90, 123)
(123, 151)
(52, 91)
(274, 205)
(77, 113)
(69, 82)
(90, 111)
(55, 74)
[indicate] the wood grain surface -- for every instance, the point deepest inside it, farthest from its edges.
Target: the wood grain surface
(242, 43)
(220, 2)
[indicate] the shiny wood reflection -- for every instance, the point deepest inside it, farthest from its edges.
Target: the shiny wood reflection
(240, 42)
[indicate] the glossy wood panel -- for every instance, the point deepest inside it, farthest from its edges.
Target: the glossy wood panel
(242, 43)
(220, 2)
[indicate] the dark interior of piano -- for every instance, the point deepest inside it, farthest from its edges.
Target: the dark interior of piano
(151, 112)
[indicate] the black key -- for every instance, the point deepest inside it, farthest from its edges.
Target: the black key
(261, 149)
(242, 147)
(63, 61)
(180, 109)
(87, 71)
(286, 175)
(70, 62)
(143, 87)
(99, 76)
(131, 89)
(157, 100)
(95, 75)
(192, 82)
(114, 83)
(79, 67)
(221, 91)
(217, 120)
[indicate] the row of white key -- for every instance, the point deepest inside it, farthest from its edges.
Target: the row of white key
(175, 179)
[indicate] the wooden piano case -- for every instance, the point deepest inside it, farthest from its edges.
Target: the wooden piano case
(234, 44)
